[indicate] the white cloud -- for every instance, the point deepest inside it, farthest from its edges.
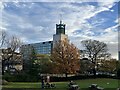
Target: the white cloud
(109, 36)
(61, 1)
(35, 22)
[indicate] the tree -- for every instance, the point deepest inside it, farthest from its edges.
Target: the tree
(66, 58)
(40, 64)
(44, 64)
(28, 58)
(12, 44)
(109, 66)
(85, 66)
(3, 35)
(31, 68)
(118, 69)
(95, 50)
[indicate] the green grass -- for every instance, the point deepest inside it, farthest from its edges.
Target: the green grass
(105, 83)
(22, 85)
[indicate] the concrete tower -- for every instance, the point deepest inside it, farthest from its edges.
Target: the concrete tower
(60, 33)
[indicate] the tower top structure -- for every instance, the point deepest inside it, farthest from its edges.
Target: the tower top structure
(60, 33)
(60, 28)
(60, 21)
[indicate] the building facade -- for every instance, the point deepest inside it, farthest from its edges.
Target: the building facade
(46, 47)
(40, 48)
(43, 47)
(60, 33)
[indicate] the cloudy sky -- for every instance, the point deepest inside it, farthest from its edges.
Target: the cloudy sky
(35, 21)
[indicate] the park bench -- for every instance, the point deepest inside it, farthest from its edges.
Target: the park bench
(100, 88)
(73, 86)
(95, 87)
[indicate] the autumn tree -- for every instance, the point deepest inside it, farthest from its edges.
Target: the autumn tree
(66, 58)
(95, 50)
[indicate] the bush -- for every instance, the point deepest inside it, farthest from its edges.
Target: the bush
(23, 77)
(20, 78)
(79, 77)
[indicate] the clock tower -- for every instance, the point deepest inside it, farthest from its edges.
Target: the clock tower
(60, 28)
(60, 33)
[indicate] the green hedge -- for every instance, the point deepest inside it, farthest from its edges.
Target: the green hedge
(21, 78)
(31, 78)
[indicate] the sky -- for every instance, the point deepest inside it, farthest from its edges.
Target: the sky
(35, 22)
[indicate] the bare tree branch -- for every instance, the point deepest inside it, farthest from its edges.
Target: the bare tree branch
(10, 52)
(96, 50)
(2, 38)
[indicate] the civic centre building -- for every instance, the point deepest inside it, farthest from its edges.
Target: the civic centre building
(44, 47)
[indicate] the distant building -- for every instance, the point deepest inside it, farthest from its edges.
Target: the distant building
(40, 48)
(11, 61)
(60, 33)
(43, 47)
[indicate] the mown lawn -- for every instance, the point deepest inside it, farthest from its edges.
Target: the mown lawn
(108, 84)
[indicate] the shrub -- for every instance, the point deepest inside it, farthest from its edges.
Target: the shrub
(20, 78)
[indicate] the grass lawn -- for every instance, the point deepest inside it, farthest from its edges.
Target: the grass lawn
(108, 84)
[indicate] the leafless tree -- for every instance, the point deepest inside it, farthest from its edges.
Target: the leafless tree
(3, 35)
(95, 50)
(14, 43)
(9, 53)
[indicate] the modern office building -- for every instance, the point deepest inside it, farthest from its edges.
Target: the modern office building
(43, 47)
(46, 47)
(40, 48)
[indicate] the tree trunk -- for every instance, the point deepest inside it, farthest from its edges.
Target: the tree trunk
(66, 75)
(94, 72)
(3, 63)
(94, 69)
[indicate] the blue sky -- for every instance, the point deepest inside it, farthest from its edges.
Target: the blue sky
(35, 21)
